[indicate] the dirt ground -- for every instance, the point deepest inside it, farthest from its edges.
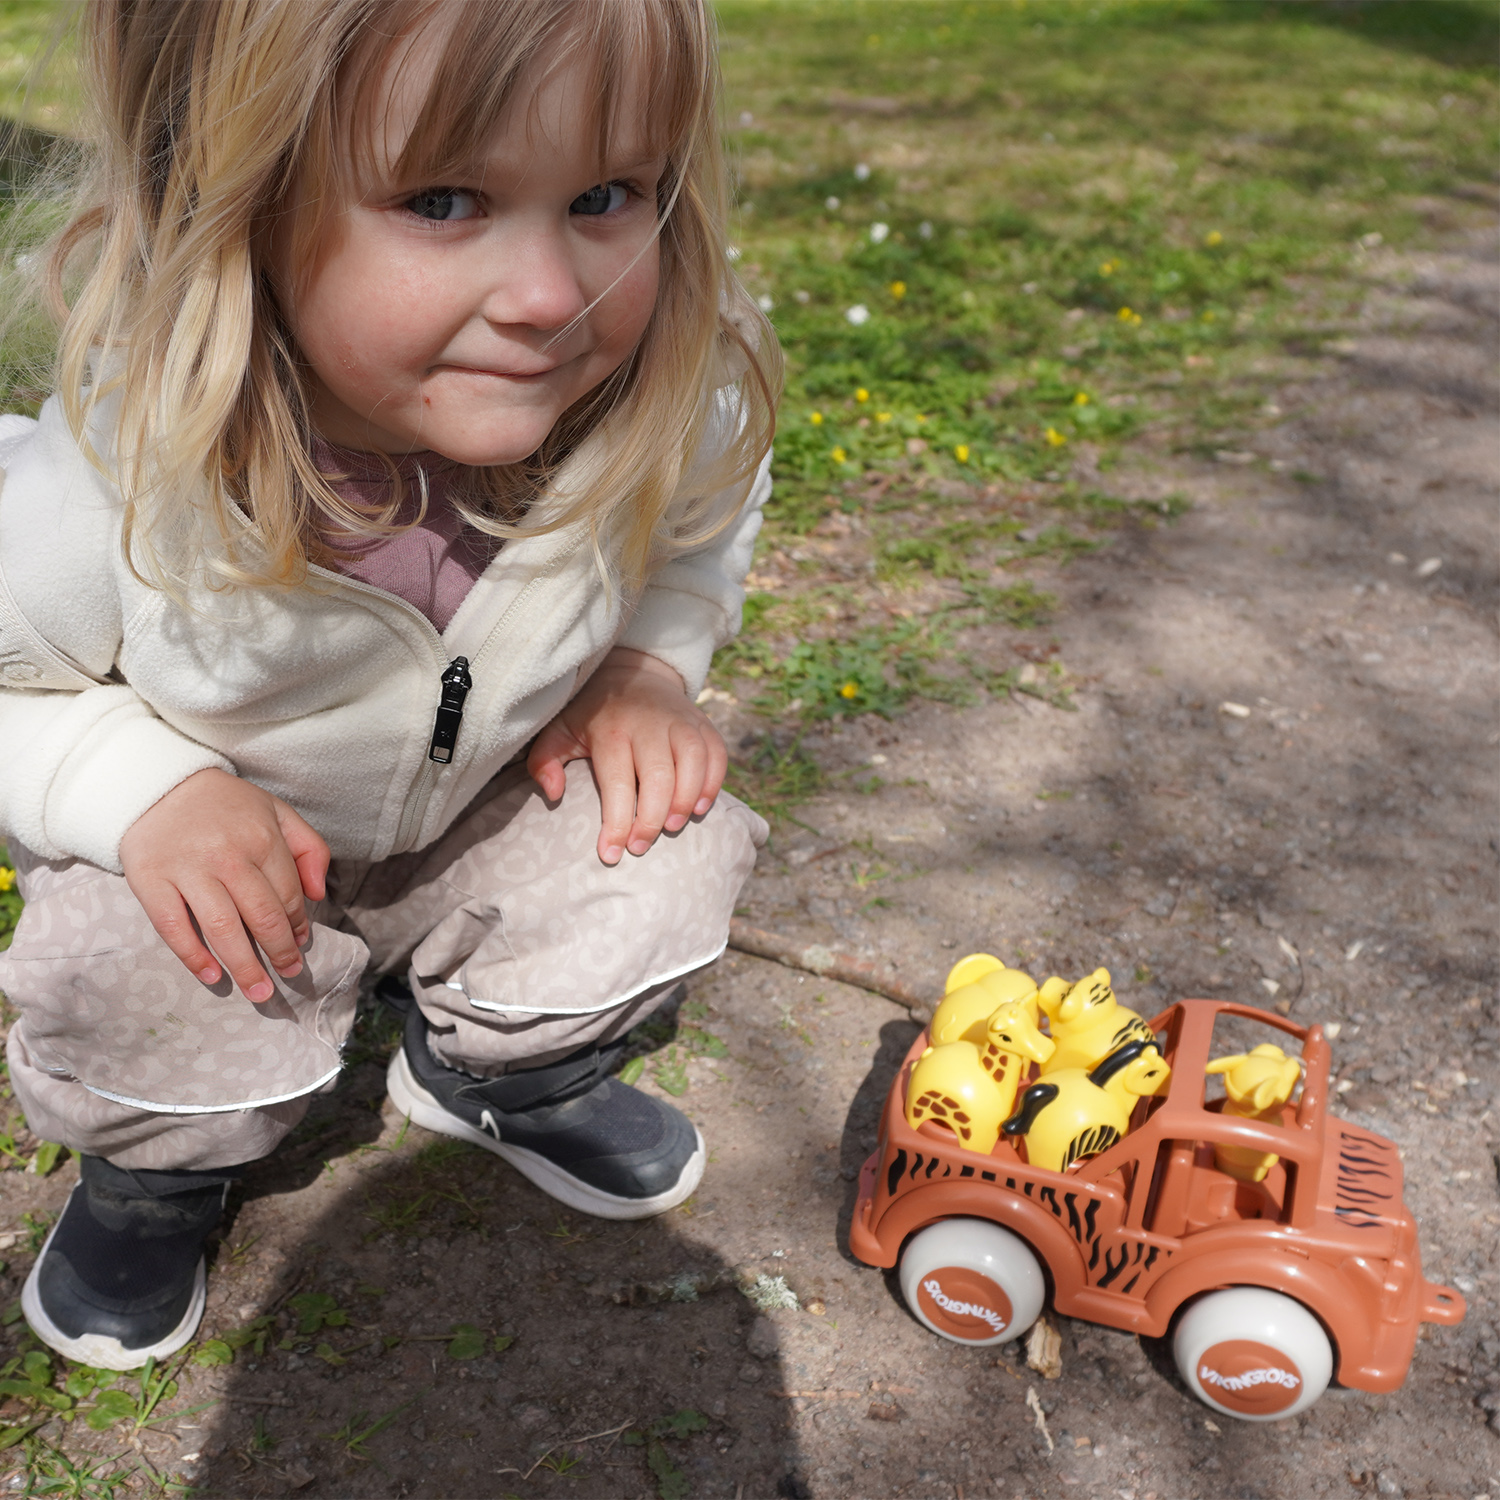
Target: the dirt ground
(1340, 583)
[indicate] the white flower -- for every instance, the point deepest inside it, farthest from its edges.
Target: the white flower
(878, 233)
(803, 297)
(925, 229)
(746, 118)
(1030, 288)
(734, 252)
(862, 172)
(765, 302)
(859, 314)
(831, 203)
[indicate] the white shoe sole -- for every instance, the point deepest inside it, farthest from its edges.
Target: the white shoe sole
(95, 1348)
(422, 1109)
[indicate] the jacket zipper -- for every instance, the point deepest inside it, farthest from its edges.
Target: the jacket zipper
(455, 684)
(414, 812)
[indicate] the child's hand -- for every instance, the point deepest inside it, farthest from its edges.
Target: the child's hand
(230, 856)
(657, 758)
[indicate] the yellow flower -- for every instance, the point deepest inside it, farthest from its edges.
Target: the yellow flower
(1212, 238)
(1081, 399)
(849, 690)
(1109, 267)
(961, 453)
(861, 394)
(1125, 315)
(898, 290)
(1208, 317)
(7, 878)
(921, 417)
(882, 416)
(1055, 439)
(816, 418)
(839, 456)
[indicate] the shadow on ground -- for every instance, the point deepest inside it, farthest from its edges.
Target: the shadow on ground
(594, 1359)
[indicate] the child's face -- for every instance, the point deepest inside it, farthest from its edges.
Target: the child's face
(434, 317)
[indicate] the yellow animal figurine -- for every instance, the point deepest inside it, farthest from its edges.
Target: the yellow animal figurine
(1087, 1022)
(970, 1088)
(968, 969)
(1256, 1085)
(968, 1005)
(1069, 1115)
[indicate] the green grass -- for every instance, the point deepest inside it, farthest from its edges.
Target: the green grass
(1017, 252)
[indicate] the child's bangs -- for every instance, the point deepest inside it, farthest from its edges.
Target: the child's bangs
(654, 55)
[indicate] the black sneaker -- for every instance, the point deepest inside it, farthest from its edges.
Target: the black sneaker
(578, 1133)
(121, 1277)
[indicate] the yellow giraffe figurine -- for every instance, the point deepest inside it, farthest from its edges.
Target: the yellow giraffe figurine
(976, 986)
(1087, 1022)
(1256, 1085)
(1069, 1115)
(970, 1088)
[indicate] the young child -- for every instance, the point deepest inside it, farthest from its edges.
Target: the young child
(355, 588)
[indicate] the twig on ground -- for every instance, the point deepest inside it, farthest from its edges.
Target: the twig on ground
(814, 958)
(567, 1443)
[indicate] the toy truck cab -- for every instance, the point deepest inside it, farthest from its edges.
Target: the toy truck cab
(1282, 1283)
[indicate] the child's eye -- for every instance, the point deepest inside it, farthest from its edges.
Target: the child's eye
(603, 199)
(442, 204)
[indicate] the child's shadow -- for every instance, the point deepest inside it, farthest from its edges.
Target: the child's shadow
(424, 1320)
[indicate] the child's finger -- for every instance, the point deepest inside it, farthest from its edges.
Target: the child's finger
(265, 917)
(691, 757)
(168, 914)
(717, 769)
(614, 774)
(656, 777)
(218, 916)
(284, 876)
(310, 854)
(553, 748)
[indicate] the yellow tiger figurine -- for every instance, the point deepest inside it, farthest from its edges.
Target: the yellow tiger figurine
(1087, 1022)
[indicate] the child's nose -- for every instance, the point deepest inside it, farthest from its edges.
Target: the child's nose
(539, 285)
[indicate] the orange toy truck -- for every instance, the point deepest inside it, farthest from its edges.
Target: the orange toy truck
(1273, 1284)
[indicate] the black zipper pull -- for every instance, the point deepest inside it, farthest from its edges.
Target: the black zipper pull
(450, 714)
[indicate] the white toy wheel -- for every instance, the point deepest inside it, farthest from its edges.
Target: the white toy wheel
(1253, 1354)
(972, 1281)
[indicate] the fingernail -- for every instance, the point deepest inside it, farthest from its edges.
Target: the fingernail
(676, 821)
(612, 854)
(639, 846)
(259, 992)
(702, 806)
(291, 971)
(209, 975)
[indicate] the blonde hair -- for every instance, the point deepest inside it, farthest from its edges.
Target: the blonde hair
(212, 111)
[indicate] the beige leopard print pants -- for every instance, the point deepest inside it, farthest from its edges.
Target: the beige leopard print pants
(519, 944)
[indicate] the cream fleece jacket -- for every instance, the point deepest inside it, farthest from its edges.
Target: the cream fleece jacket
(111, 694)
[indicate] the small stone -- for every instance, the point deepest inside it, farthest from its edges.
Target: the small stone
(749, 1373)
(885, 1411)
(1385, 1484)
(762, 1340)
